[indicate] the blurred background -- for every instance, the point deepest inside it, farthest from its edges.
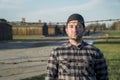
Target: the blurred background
(29, 30)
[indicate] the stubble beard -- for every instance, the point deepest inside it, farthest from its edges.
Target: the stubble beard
(77, 39)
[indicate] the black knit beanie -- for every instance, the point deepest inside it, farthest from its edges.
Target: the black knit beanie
(76, 17)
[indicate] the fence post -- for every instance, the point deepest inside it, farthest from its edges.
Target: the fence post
(106, 35)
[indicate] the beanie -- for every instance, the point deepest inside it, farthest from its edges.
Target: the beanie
(76, 17)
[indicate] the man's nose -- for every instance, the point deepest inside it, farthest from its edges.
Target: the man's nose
(75, 28)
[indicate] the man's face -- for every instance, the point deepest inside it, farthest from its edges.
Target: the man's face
(74, 30)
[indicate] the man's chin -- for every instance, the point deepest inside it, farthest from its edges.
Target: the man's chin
(73, 38)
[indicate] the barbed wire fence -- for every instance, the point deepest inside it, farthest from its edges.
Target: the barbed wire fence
(14, 61)
(104, 20)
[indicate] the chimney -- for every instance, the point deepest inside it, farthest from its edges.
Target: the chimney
(39, 21)
(23, 20)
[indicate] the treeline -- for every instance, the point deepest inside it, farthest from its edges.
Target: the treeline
(115, 26)
(98, 26)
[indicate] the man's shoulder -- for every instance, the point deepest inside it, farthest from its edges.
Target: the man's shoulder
(90, 46)
(93, 49)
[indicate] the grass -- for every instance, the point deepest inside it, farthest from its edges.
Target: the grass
(111, 50)
(112, 33)
(112, 55)
(40, 77)
(27, 37)
(112, 36)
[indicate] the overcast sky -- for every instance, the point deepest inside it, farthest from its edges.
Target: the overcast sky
(58, 10)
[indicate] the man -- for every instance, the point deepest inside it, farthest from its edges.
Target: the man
(76, 60)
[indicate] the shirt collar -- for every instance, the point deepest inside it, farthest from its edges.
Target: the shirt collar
(79, 46)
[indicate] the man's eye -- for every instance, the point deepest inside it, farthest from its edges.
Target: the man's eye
(79, 26)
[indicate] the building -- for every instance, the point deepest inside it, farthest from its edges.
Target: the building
(5, 30)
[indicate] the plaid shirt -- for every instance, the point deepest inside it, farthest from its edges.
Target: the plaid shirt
(83, 62)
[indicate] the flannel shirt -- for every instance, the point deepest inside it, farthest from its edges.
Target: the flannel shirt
(83, 62)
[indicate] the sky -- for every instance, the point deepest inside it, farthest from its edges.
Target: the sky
(58, 10)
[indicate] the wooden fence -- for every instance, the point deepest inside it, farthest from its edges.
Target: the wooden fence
(38, 30)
